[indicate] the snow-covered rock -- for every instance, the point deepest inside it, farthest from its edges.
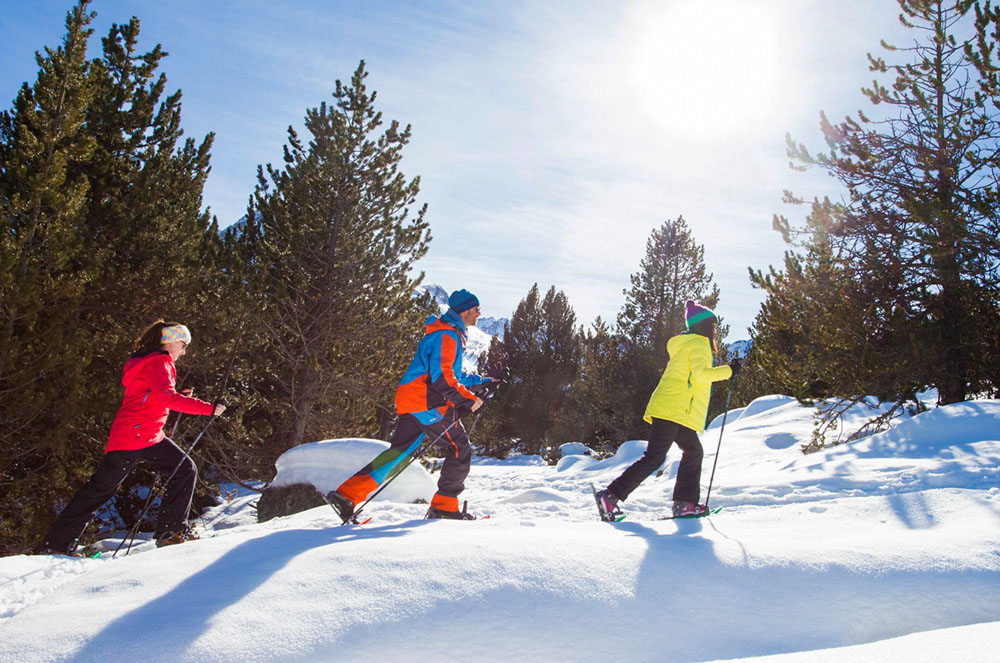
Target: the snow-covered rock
(606, 469)
(328, 463)
(439, 294)
(492, 326)
(740, 348)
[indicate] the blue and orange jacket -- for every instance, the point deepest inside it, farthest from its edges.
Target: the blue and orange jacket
(435, 377)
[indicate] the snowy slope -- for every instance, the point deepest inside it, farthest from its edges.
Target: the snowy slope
(740, 348)
(477, 344)
(884, 550)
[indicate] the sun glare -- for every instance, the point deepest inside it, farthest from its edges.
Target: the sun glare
(706, 69)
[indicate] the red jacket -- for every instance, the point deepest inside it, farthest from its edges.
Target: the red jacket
(149, 396)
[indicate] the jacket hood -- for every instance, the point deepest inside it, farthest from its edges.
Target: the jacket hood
(449, 320)
(135, 365)
(675, 343)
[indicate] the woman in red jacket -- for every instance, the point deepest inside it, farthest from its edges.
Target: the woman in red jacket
(137, 434)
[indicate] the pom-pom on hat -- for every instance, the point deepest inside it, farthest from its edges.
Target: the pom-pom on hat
(175, 333)
(695, 313)
(462, 300)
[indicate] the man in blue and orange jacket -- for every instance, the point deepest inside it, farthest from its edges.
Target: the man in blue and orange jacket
(431, 398)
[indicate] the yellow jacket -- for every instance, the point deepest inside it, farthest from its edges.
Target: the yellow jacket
(686, 385)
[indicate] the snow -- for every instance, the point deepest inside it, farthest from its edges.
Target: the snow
(476, 345)
(885, 549)
(574, 448)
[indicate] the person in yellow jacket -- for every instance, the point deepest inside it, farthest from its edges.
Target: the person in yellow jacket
(677, 411)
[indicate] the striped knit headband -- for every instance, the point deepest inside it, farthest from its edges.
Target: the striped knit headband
(175, 333)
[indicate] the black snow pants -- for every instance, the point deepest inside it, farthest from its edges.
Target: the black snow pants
(451, 437)
(687, 487)
(164, 457)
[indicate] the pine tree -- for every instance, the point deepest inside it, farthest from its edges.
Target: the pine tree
(672, 272)
(42, 199)
(597, 401)
(144, 228)
(104, 210)
(540, 351)
(912, 254)
(328, 245)
(144, 223)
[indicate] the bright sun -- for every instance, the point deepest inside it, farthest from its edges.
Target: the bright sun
(706, 69)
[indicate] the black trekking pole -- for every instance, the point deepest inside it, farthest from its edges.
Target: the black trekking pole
(177, 419)
(173, 431)
(130, 537)
(719, 446)
(399, 469)
(474, 422)
(187, 454)
(396, 471)
(487, 394)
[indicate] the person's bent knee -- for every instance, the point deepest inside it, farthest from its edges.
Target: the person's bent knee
(187, 471)
(694, 454)
(654, 459)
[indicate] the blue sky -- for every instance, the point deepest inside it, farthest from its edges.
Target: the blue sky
(551, 137)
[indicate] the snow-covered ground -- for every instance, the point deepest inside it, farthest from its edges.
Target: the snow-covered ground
(884, 550)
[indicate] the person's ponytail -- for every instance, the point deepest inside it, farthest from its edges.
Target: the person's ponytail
(150, 339)
(706, 328)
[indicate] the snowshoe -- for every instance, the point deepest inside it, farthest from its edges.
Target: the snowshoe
(46, 550)
(689, 510)
(434, 513)
(607, 506)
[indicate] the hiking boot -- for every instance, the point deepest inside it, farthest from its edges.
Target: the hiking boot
(607, 504)
(171, 539)
(434, 512)
(689, 510)
(343, 506)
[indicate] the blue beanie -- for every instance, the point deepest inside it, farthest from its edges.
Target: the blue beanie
(462, 300)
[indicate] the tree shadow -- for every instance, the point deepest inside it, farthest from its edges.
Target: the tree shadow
(780, 440)
(191, 605)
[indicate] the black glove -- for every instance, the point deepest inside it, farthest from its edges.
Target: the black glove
(492, 387)
(485, 390)
(736, 365)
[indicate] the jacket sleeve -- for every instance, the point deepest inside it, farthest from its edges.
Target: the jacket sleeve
(701, 366)
(471, 379)
(442, 374)
(162, 388)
